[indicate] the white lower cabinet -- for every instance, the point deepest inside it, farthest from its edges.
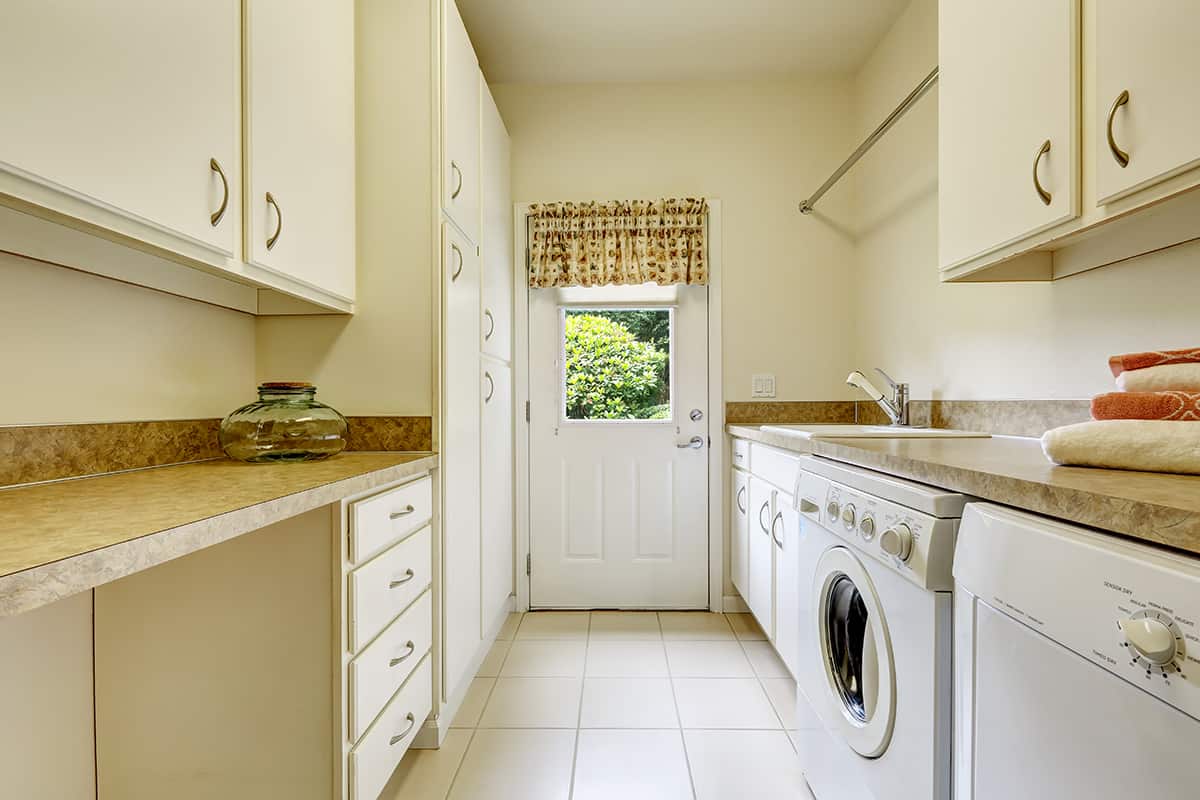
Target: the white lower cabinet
(739, 532)
(761, 594)
(373, 759)
(785, 534)
(496, 507)
(379, 670)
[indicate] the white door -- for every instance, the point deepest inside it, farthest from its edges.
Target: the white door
(618, 447)
(300, 141)
(1147, 56)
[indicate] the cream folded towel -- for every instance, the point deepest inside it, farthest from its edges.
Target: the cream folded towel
(1146, 445)
(1167, 378)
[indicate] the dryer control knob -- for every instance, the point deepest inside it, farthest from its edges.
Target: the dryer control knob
(849, 516)
(867, 528)
(833, 509)
(1151, 638)
(897, 541)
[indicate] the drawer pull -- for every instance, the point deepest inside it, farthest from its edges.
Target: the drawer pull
(398, 514)
(408, 576)
(399, 737)
(400, 659)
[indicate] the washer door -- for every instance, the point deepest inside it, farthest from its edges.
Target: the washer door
(856, 651)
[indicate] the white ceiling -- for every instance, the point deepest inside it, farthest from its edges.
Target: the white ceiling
(587, 41)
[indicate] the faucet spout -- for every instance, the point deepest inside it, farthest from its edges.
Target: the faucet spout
(895, 407)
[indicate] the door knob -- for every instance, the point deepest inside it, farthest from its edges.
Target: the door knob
(695, 443)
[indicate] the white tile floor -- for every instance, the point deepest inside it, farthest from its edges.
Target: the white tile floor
(618, 706)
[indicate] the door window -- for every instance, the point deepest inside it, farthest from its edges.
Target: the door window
(617, 364)
(848, 634)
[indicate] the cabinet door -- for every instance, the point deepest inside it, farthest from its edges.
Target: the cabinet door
(115, 111)
(1008, 84)
(761, 594)
(460, 458)
(496, 236)
(1151, 51)
(460, 125)
(300, 141)
(785, 533)
(497, 491)
(739, 531)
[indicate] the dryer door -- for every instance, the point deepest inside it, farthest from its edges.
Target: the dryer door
(856, 651)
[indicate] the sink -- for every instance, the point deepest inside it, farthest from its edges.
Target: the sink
(869, 432)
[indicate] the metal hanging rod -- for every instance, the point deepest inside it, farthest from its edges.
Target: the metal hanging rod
(806, 206)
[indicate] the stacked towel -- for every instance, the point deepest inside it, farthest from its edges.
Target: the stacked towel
(1137, 427)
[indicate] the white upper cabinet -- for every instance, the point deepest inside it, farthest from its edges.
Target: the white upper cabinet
(1008, 145)
(1146, 97)
(123, 114)
(496, 243)
(300, 141)
(460, 125)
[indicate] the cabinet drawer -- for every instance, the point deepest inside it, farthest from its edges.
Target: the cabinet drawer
(378, 521)
(376, 756)
(775, 466)
(378, 671)
(382, 588)
(741, 454)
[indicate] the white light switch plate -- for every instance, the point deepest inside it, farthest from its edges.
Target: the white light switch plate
(762, 386)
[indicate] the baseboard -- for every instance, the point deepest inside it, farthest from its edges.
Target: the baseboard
(733, 604)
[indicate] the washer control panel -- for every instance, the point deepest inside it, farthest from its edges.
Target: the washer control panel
(918, 545)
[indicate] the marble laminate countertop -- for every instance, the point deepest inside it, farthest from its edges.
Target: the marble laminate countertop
(60, 538)
(1013, 471)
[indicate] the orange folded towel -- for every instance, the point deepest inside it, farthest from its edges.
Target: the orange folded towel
(1147, 405)
(1154, 358)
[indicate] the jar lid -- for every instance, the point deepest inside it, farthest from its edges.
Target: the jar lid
(286, 385)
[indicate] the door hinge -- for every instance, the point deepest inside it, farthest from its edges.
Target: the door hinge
(527, 411)
(528, 563)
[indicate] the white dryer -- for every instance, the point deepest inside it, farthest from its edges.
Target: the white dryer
(875, 634)
(1077, 663)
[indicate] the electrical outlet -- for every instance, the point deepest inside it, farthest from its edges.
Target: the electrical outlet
(762, 386)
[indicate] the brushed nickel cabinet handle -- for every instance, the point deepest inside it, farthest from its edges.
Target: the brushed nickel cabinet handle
(459, 267)
(403, 513)
(1119, 155)
(408, 576)
(399, 737)
(458, 186)
(412, 648)
(215, 166)
(491, 324)
(762, 524)
(491, 387)
(1037, 184)
(741, 499)
(278, 221)
(778, 519)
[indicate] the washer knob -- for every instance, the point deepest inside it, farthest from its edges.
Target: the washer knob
(897, 541)
(867, 528)
(1151, 638)
(848, 516)
(833, 509)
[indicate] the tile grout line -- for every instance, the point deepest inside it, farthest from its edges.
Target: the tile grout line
(587, 645)
(487, 700)
(687, 759)
(762, 688)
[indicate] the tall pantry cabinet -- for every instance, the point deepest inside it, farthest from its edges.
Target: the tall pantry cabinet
(476, 423)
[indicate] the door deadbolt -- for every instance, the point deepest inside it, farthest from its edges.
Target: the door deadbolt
(696, 415)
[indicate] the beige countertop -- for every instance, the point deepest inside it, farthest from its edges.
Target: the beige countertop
(1152, 507)
(60, 538)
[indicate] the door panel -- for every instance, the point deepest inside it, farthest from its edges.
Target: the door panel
(761, 596)
(1152, 51)
(118, 107)
(619, 517)
(497, 234)
(786, 532)
(1008, 82)
(739, 532)
(460, 125)
(497, 492)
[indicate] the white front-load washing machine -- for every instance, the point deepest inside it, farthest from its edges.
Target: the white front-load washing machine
(875, 634)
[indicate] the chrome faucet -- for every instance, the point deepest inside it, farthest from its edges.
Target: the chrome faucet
(896, 408)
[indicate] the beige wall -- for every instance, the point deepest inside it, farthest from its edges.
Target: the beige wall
(955, 341)
(381, 360)
(758, 147)
(79, 348)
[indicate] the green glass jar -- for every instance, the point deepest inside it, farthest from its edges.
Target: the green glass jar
(286, 424)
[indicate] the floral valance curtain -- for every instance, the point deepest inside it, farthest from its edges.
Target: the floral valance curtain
(623, 242)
